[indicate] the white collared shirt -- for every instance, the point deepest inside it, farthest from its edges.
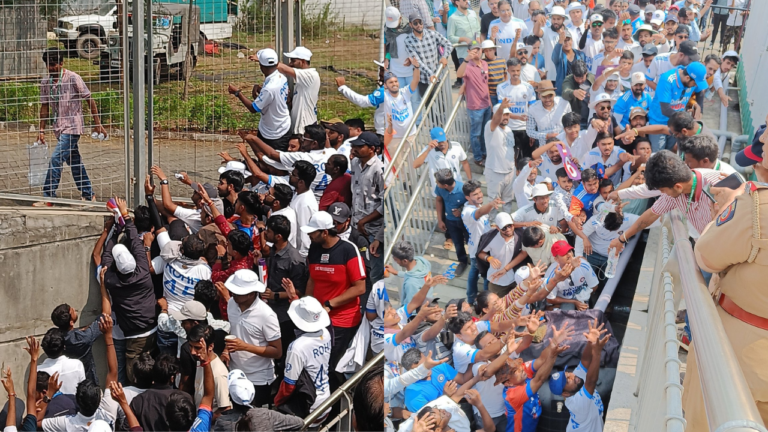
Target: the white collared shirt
(504, 251)
(71, 372)
(452, 159)
(550, 217)
(305, 205)
(257, 325)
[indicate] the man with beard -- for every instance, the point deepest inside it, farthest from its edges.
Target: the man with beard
(551, 161)
(500, 142)
(687, 52)
(638, 118)
(670, 27)
(672, 94)
(519, 95)
(602, 120)
(635, 97)
(545, 116)
(541, 213)
(424, 45)
(576, 88)
(230, 184)
(730, 60)
(550, 37)
(528, 72)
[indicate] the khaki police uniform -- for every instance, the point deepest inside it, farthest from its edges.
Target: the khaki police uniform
(735, 245)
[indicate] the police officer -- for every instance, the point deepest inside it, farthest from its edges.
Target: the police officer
(735, 246)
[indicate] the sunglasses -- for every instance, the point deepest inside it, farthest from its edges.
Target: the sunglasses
(417, 22)
(522, 53)
(597, 24)
(604, 108)
(510, 226)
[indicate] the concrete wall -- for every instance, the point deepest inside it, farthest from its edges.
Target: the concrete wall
(45, 260)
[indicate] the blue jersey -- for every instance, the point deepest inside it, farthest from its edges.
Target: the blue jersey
(203, 420)
(580, 199)
(522, 404)
(628, 101)
(671, 90)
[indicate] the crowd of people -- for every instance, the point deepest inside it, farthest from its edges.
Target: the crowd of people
(591, 121)
(242, 311)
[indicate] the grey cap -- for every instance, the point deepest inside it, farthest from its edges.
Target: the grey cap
(634, 9)
(218, 203)
(650, 49)
(209, 189)
(339, 212)
(414, 16)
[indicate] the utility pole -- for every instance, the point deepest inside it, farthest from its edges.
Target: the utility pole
(139, 147)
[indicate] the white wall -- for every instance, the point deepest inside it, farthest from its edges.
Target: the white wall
(755, 58)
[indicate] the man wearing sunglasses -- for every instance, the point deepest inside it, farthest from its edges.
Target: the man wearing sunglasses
(592, 46)
(504, 252)
(424, 45)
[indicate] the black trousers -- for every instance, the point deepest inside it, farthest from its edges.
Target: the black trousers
(718, 23)
(341, 338)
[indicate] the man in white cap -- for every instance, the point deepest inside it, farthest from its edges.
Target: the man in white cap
(635, 97)
(519, 95)
(730, 60)
(396, 30)
(576, 12)
(257, 333)
(528, 72)
(609, 83)
(336, 280)
(541, 213)
(500, 143)
(503, 253)
(241, 393)
(306, 87)
(271, 101)
(311, 351)
(550, 36)
(591, 41)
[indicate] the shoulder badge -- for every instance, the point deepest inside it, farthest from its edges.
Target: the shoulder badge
(727, 214)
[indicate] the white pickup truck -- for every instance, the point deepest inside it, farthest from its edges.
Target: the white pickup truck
(85, 33)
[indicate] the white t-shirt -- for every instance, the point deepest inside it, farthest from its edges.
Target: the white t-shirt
(396, 64)
(179, 279)
(475, 227)
(377, 303)
(529, 213)
(191, 217)
(599, 236)
(549, 168)
(506, 34)
(272, 103)
(492, 394)
(221, 391)
(394, 351)
(523, 188)
(290, 214)
(305, 93)
(463, 353)
(500, 145)
(257, 325)
(452, 160)
(548, 42)
(76, 422)
(595, 156)
(659, 66)
(112, 408)
(311, 351)
(591, 49)
(503, 251)
(401, 110)
(521, 95)
(318, 158)
(586, 409)
(577, 286)
(305, 205)
(529, 73)
(71, 372)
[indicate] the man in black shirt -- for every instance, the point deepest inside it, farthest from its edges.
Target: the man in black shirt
(77, 341)
(485, 20)
(149, 406)
(284, 262)
(230, 184)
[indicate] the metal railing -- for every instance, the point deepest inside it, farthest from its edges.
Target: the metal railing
(727, 397)
(343, 395)
(410, 207)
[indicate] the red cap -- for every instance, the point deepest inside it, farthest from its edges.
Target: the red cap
(560, 248)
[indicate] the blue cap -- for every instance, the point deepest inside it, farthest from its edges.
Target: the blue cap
(438, 134)
(557, 382)
(752, 154)
(698, 72)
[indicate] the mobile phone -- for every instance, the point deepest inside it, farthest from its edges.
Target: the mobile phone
(584, 87)
(706, 192)
(733, 181)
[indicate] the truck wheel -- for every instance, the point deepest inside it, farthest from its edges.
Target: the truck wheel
(88, 46)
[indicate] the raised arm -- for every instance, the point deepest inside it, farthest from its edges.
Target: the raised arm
(260, 146)
(251, 164)
(165, 189)
(421, 295)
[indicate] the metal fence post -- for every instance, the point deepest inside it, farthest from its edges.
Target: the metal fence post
(139, 148)
(151, 86)
(126, 82)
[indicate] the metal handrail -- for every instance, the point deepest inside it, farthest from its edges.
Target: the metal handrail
(416, 195)
(727, 397)
(342, 391)
(442, 72)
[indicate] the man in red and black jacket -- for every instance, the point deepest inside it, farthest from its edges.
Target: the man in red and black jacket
(336, 280)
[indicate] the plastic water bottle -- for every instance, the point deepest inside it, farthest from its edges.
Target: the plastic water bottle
(612, 264)
(606, 208)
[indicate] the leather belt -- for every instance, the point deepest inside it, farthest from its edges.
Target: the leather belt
(740, 314)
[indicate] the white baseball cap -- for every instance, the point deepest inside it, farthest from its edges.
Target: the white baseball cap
(573, 6)
(521, 45)
(730, 53)
(503, 219)
(235, 166)
(308, 314)
(244, 282)
(522, 274)
(614, 77)
(319, 221)
(487, 44)
(658, 17)
(392, 15)
(123, 259)
(241, 390)
(540, 190)
(596, 18)
(300, 53)
(638, 78)
(99, 426)
(267, 57)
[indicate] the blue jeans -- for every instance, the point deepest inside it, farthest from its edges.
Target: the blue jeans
(597, 261)
(459, 235)
(477, 121)
(167, 342)
(67, 151)
(120, 346)
(662, 142)
(494, 100)
(474, 276)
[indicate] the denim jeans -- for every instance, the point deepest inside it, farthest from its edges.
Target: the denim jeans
(662, 142)
(474, 276)
(67, 151)
(122, 376)
(459, 235)
(597, 261)
(494, 100)
(477, 121)
(167, 342)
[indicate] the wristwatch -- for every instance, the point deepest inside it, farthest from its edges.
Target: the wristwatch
(46, 399)
(164, 181)
(328, 304)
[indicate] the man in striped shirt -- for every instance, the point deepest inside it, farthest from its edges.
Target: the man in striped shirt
(497, 68)
(669, 178)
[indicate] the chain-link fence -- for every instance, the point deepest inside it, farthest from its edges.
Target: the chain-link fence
(193, 117)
